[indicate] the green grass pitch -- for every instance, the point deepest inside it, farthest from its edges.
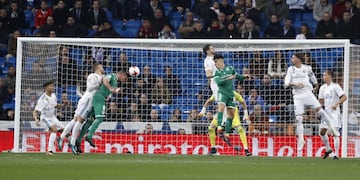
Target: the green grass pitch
(129, 166)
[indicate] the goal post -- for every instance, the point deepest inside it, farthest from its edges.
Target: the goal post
(68, 60)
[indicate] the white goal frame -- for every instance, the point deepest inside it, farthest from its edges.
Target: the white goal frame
(181, 42)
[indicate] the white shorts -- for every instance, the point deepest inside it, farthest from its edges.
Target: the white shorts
(83, 107)
(214, 88)
(302, 100)
(52, 122)
(335, 119)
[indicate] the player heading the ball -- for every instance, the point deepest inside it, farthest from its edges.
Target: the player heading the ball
(224, 77)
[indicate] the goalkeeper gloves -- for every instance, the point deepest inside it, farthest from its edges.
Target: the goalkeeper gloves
(246, 117)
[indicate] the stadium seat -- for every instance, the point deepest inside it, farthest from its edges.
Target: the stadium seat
(11, 61)
(307, 17)
(133, 24)
(8, 106)
(176, 16)
(29, 17)
(26, 32)
(127, 33)
(28, 63)
(108, 70)
(3, 52)
(167, 8)
(175, 24)
(5, 70)
(91, 33)
(71, 92)
(2, 62)
(117, 24)
(355, 88)
(109, 15)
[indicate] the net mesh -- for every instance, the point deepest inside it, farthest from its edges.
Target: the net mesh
(157, 112)
(354, 97)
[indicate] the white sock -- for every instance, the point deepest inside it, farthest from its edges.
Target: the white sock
(51, 146)
(300, 127)
(325, 140)
(75, 132)
(336, 145)
(67, 129)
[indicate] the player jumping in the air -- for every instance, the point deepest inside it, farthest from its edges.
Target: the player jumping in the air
(210, 67)
(236, 124)
(109, 86)
(46, 106)
(300, 76)
(224, 77)
(331, 96)
(93, 82)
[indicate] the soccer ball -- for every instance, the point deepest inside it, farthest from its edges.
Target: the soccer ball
(134, 71)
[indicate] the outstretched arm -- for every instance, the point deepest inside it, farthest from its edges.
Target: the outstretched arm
(206, 104)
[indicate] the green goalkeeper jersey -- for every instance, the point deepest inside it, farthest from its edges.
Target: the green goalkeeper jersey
(103, 90)
(226, 87)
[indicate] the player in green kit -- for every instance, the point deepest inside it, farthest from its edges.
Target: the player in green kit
(224, 76)
(109, 86)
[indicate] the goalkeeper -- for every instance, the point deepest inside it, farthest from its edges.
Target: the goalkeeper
(109, 86)
(236, 123)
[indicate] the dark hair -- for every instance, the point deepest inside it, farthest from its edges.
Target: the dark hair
(218, 56)
(206, 48)
(48, 83)
(300, 56)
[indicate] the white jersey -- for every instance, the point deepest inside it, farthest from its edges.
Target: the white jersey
(84, 105)
(93, 83)
(303, 75)
(46, 105)
(331, 94)
(209, 65)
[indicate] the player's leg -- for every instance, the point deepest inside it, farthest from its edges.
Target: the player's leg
(337, 124)
(219, 116)
(328, 120)
(212, 136)
(336, 147)
(325, 140)
(99, 110)
(299, 111)
(69, 126)
(236, 124)
(52, 138)
(229, 116)
(52, 124)
(81, 109)
(311, 100)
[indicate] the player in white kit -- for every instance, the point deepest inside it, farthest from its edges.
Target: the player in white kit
(46, 106)
(301, 78)
(210, 67)
(84, 105)
(331, 96)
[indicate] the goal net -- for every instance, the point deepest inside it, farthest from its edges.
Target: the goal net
(157, 112)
